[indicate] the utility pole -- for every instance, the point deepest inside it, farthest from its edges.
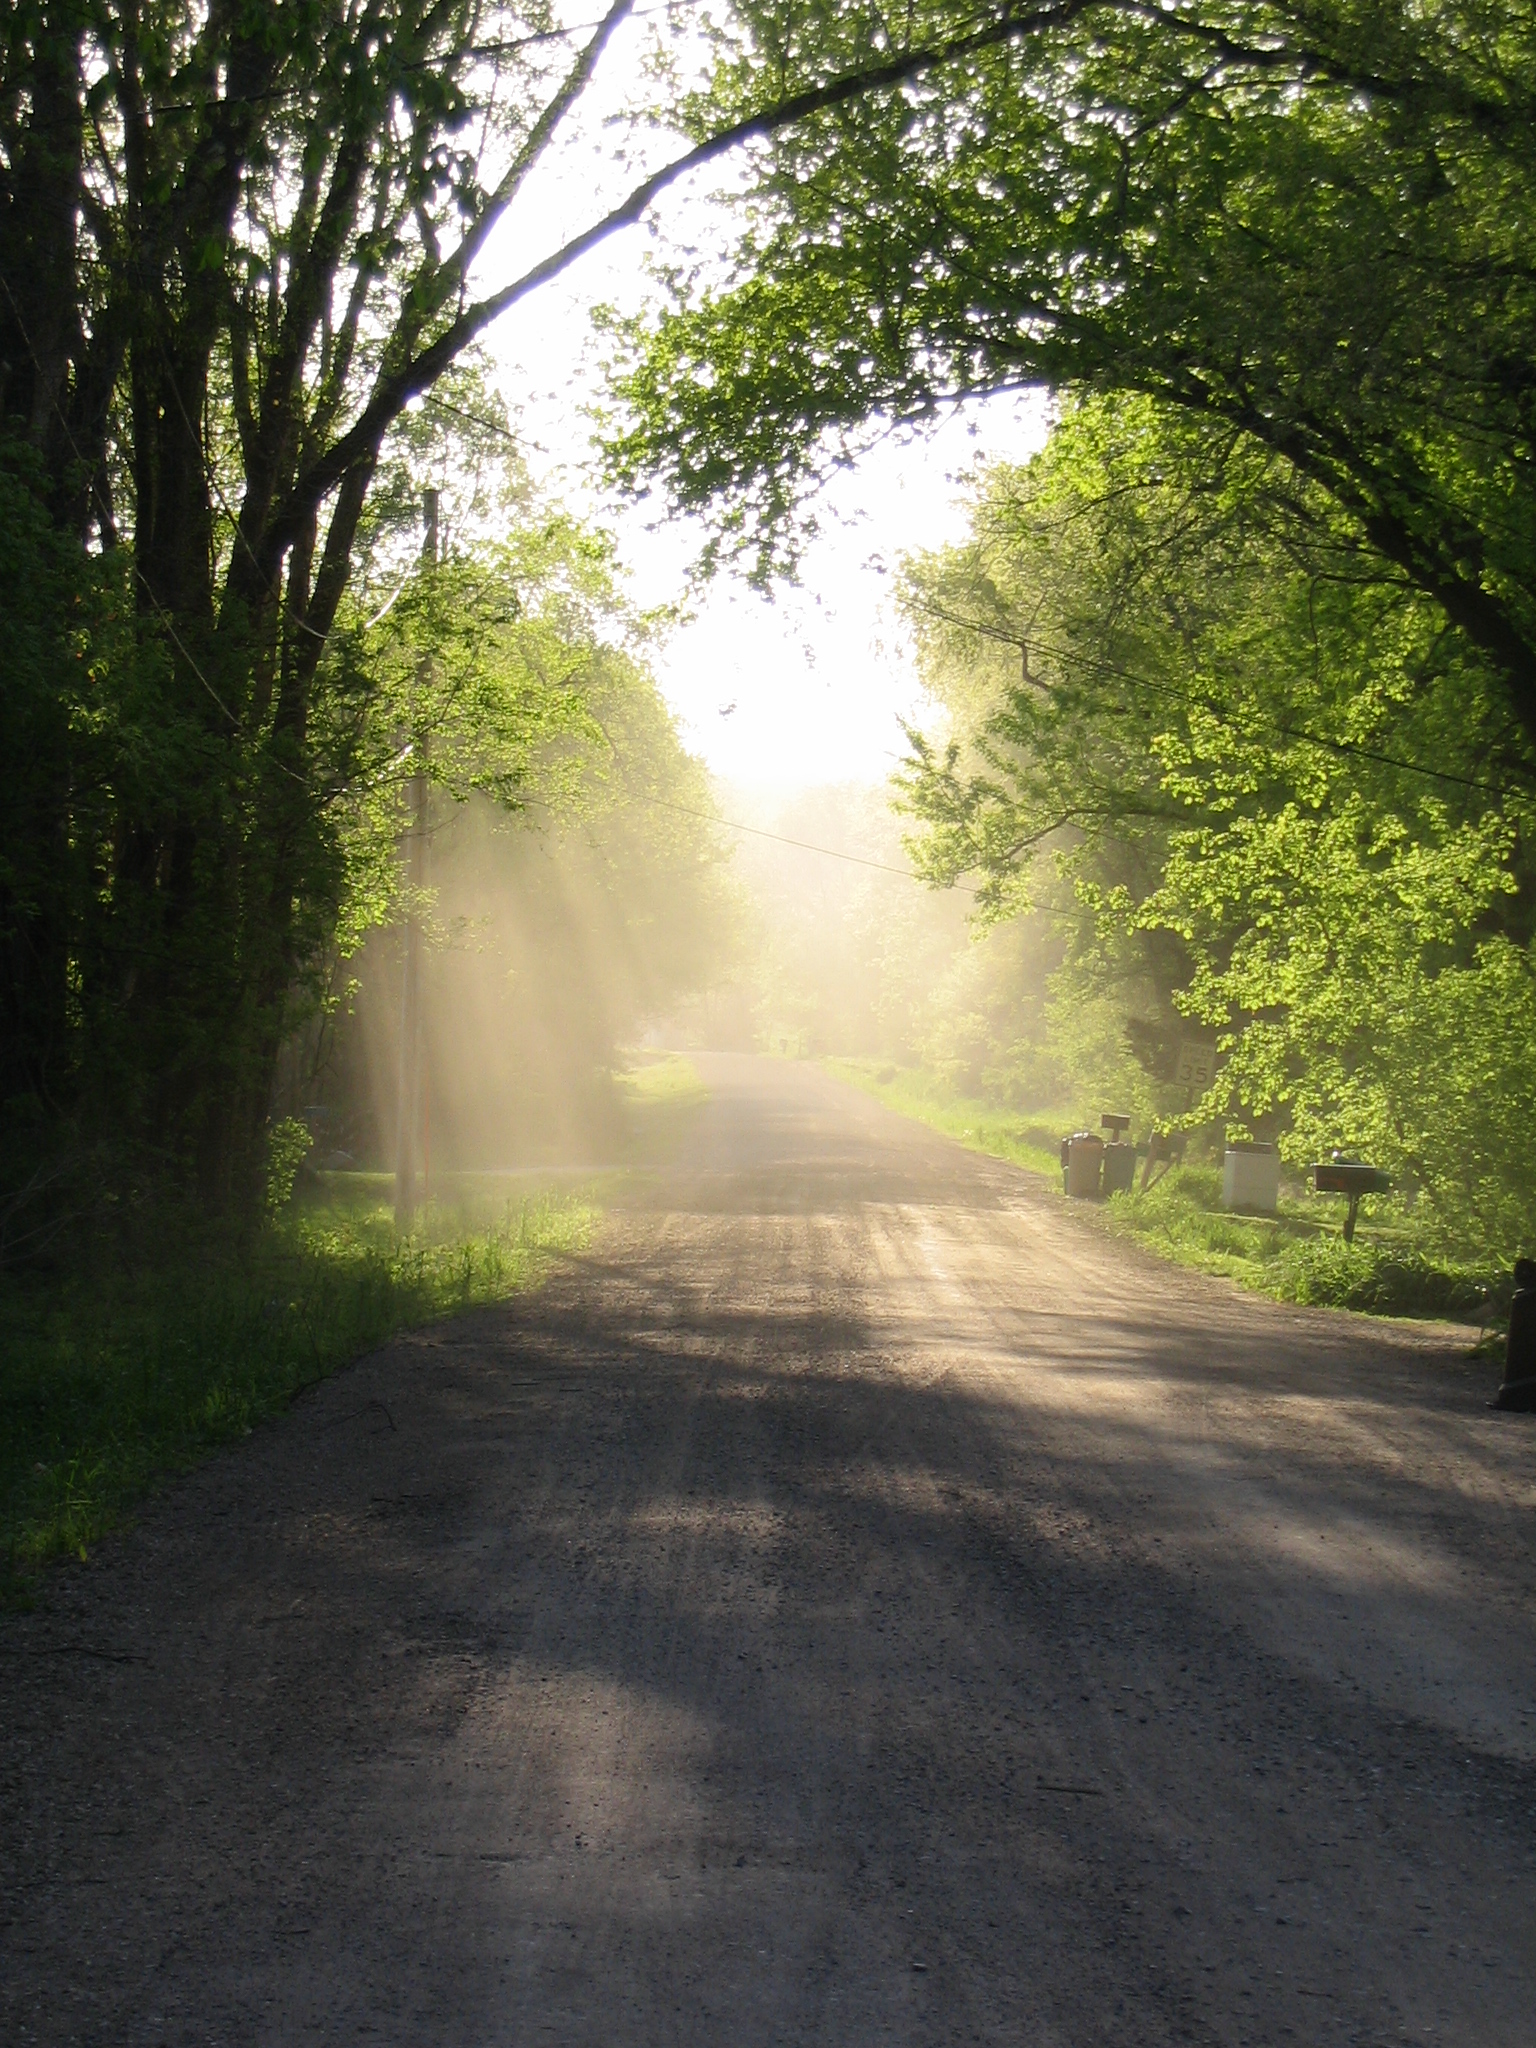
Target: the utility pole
(408, 1107)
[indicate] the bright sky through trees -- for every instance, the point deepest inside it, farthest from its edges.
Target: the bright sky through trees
(821, 675)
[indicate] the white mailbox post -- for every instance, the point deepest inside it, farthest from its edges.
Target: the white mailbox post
(1250, 1178)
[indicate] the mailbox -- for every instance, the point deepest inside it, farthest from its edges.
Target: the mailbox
(1119, 1155)
(1349, 1177)
(1084, 1162)
(1250, 1178)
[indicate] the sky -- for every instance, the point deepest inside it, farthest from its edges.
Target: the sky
(807, 687)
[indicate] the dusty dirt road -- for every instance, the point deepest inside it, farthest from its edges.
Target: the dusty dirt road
(856, 1603)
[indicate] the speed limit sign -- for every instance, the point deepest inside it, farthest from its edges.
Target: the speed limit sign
(1197, 1063)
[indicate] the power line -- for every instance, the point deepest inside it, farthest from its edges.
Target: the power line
(1230, 718)
(782, 839)
(1224, 715)
(433, 403)
(802, 845)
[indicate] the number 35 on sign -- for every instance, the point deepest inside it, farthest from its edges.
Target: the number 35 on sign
(1197, 1063)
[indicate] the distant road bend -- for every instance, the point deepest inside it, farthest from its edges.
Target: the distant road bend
(857, 1602)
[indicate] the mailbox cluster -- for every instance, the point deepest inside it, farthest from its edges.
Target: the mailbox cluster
(1092, 1166)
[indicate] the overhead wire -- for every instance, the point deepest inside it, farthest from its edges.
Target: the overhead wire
(809, 846)
(1344, 748)
(885, 867)
(1223, 714)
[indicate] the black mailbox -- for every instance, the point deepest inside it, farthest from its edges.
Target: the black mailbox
(1119, 1155)
(1349, 1177)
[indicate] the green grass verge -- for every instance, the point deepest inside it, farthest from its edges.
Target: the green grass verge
(121, 1369)
(661, 1094)
(1001, 1133)
(1299, 1255)
(655, 1080)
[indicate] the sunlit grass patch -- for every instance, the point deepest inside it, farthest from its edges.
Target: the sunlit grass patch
(124, 1368)
(660, 1094)
(1299, 1255)
(660, 1078)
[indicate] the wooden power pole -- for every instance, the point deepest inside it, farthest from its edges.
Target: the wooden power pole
(408, 1107)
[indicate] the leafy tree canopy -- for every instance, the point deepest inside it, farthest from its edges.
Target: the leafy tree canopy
(1262, 786)
(237, 241)
(1309, 221)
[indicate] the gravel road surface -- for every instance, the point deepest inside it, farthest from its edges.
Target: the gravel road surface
(856, 1602)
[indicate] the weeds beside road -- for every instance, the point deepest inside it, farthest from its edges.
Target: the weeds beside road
(1393, 1268)
(140, 1352)
(138, 1358)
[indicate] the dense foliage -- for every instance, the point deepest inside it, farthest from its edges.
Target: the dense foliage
(1265, 786)
(227, 235)
(1309, 221)
(237, 241)
(500, 672)
(237, 244)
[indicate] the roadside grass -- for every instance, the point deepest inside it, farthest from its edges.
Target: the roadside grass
(661, 1093)
(134, 1361)
(1001, 1133)
(653, 1078)
(1299, 1255)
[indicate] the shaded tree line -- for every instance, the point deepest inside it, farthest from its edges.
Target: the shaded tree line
(1187, 712)
(236, 243)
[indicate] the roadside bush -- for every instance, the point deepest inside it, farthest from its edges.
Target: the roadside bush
(1382, 1279)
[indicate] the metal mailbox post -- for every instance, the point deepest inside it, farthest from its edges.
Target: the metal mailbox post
(1519, 1388)
(1165, 1150)
(1349, 1177)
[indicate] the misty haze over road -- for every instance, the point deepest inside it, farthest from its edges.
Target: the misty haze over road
(859, 1601)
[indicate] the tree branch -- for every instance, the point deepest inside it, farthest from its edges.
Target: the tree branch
(397, 387)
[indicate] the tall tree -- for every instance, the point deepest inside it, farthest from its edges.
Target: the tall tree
(1264, 788)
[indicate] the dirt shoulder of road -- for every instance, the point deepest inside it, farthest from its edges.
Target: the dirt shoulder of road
(126, 1370)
